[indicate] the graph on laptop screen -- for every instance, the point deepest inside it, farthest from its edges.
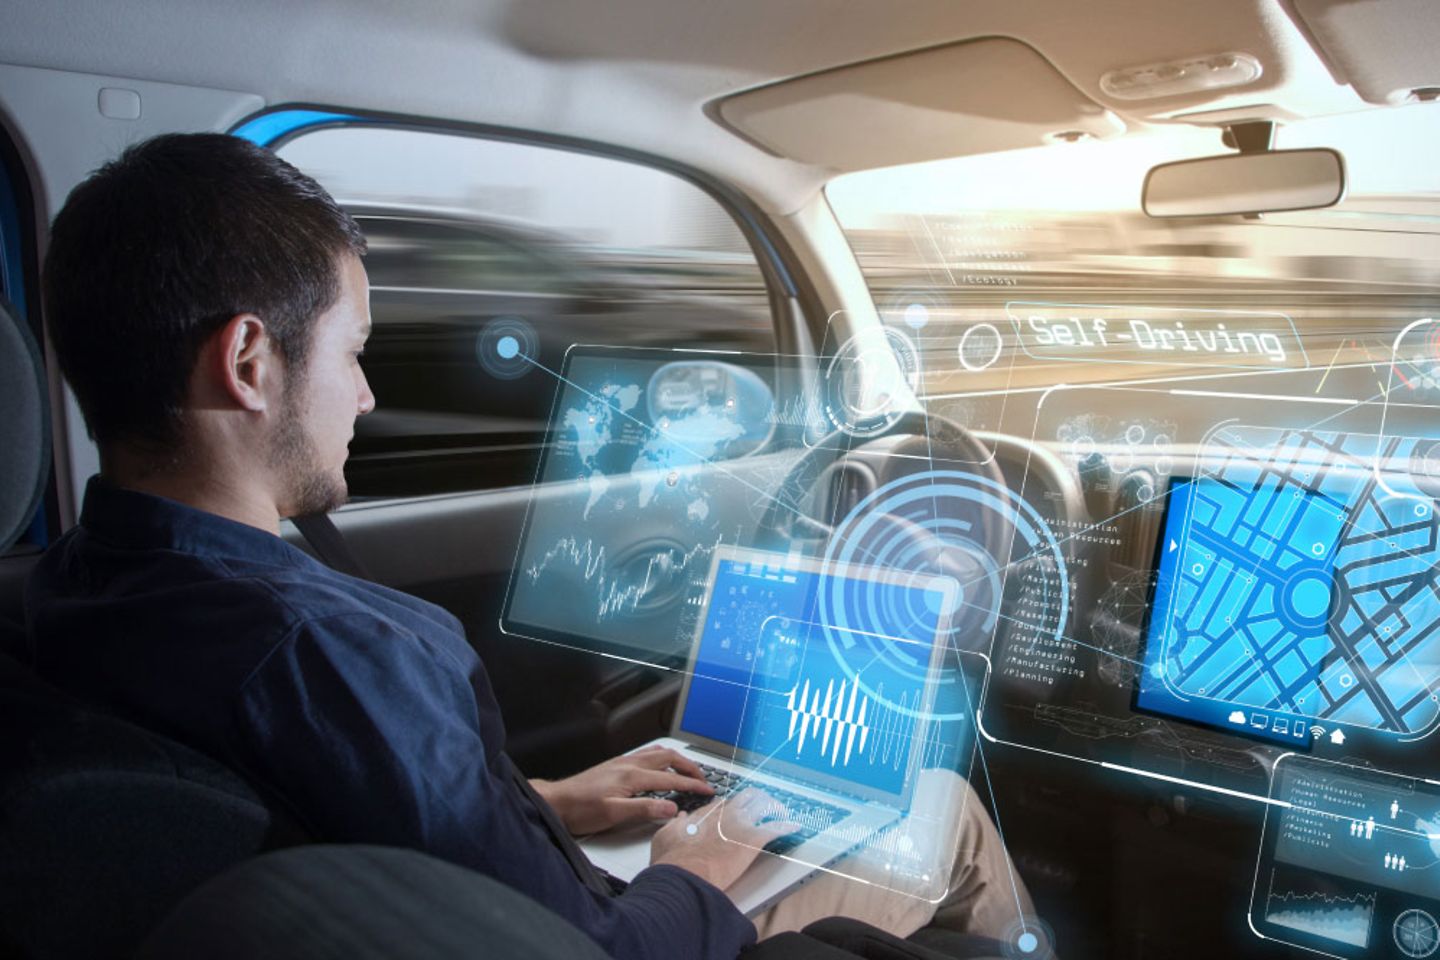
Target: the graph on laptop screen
(767, 677)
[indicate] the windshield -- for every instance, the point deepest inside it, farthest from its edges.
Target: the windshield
(1024, 269)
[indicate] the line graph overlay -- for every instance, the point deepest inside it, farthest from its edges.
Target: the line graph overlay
(1342, 917)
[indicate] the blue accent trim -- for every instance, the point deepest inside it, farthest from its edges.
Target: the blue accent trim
(12, 286)
(270, 127)
(11, 272)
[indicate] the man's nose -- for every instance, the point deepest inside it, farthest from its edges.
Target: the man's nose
(365, 399)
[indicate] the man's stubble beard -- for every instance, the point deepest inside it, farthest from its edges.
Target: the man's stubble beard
(306, 487)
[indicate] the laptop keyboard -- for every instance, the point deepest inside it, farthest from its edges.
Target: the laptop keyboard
(813, 816)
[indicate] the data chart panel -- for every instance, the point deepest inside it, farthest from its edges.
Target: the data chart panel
(1348, 861)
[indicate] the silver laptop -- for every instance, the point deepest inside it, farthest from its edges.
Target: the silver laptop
(832, 721)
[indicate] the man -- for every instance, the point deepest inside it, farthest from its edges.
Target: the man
(209, 307)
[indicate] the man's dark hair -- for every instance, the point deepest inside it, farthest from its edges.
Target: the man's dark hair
(159, 248)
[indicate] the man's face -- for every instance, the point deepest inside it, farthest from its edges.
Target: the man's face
(312, 441)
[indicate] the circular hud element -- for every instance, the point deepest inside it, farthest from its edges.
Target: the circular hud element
(980, 346)
(914, 308)
(1028, 938)
(869, 382)
(507, 347)
(947, 528)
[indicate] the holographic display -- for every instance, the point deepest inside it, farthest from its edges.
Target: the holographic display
(1347, 861)
(654, 458)
(1293, 583)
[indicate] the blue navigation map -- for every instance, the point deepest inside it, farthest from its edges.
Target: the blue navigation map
(1298, 574)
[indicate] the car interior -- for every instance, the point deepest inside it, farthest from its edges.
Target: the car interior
(1113, 325)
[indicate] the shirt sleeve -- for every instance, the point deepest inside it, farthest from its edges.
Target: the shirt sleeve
(374, 736)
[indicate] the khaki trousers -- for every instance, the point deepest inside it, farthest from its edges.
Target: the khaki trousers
(984, 895)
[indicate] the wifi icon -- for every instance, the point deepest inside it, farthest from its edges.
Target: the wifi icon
(1317, 732)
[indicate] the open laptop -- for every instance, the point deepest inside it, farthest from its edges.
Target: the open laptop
(833, 724)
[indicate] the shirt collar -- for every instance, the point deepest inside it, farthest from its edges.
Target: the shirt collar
(134, 519)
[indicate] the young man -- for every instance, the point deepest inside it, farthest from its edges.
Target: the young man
(209, 307)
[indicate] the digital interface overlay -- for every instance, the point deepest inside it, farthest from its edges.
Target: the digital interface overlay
(768, 688)
(1294, 585)
(1349, 860)
(768, 679)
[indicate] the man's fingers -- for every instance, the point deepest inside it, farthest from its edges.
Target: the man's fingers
(658, 758)
(643, 808)
(666, 780)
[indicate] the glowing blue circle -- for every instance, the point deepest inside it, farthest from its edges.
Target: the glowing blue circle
(935, 598)
(917, 315)
(507, 347)
(1310, 596)
(1027, 942)
(903, 527)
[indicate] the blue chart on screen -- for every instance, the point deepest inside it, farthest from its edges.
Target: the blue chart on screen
(1292, 580)
(766, 681)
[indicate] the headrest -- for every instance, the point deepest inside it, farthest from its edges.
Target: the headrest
(24, 426)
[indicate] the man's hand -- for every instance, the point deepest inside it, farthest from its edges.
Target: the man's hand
(605, 795)
(718, 841)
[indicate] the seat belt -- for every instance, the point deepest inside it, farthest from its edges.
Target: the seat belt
(329, 545)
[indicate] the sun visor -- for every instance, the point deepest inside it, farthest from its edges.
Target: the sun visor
(978, 96)
(1386, 51)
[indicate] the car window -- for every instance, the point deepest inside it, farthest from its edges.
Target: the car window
(418, 253)
(476, 245)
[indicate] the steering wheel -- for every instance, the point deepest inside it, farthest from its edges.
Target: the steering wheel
(931, 436)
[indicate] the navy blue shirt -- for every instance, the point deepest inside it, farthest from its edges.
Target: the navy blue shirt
(363, 707)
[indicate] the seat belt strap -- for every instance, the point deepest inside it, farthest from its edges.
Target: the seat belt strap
(325, 539)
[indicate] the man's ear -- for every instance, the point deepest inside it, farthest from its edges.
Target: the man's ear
(245, 362)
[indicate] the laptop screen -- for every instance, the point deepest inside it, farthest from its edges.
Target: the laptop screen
(812, 702)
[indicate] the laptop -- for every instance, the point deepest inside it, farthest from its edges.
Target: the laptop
(832, 722)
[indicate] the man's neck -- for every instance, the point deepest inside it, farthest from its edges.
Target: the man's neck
(210, 489)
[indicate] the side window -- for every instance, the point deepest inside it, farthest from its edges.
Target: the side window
(471, 236)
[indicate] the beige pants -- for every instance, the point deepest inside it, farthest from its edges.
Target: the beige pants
(984, 894)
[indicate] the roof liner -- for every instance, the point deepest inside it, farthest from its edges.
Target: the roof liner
(565, 66)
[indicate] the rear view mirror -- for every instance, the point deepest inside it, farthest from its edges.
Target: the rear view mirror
(1261, 182)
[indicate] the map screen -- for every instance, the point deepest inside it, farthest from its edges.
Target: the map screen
(1296, 582)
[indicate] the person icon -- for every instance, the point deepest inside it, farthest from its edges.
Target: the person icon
(1369, 828)
(1394, 809)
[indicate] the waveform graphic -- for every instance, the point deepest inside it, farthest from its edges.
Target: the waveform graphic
(1338, 918)
(620, 593)
(845, 720)
(584, 556)
(801, 411)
